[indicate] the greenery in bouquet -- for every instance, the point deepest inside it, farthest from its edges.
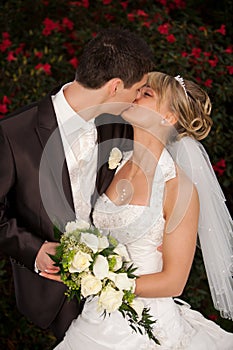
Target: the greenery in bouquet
(94, 265)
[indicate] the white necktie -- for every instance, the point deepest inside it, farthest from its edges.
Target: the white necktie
(82, 169)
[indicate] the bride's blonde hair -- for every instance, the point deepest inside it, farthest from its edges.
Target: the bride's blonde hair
(189, 103)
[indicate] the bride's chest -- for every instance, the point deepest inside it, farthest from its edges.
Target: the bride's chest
(129, 223)
(134, 190)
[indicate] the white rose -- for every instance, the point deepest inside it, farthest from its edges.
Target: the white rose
(80, 263)
(90, 285)
(138, 306)
(90, 240)
(101, 268)
(123, 282)
(76, 225)
(118, 263)
(114, 158)
(112, 276)
(103, 243)
(110, 299)
(122, 251)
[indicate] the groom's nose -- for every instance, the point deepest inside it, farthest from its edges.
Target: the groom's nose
(138, 95)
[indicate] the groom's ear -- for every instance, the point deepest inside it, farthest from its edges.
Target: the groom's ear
(114, 85)
(171, 118)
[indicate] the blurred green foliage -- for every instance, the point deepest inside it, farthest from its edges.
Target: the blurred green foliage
(40, 42)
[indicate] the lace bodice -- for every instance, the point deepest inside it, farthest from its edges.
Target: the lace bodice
(139, 227)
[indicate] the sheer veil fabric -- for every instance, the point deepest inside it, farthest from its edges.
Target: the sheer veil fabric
(215, 227)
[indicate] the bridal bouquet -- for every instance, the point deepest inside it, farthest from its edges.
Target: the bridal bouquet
(93, 265)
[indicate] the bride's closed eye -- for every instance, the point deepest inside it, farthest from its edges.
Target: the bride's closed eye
(147, 92)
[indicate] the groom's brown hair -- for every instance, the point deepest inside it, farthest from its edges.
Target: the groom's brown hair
(114, 53)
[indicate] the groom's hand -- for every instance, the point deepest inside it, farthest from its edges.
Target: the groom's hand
(44, 263)
(51, 276)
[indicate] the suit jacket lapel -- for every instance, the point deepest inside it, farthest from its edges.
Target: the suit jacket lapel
(112, 131)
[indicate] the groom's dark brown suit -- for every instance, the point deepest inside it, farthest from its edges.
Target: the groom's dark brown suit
(24, 222)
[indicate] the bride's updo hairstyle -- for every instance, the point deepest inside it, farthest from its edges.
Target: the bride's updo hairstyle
(190, 104)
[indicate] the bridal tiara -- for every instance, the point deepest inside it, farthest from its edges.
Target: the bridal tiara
(181, 82)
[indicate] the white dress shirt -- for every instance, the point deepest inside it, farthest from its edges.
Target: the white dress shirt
(80, 148)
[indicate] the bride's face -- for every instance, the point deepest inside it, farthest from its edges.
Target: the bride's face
(146, 111)
(149, 99)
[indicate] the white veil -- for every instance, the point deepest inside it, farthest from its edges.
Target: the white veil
(215, 227)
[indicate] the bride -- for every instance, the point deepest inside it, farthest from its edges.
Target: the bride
(155, 208)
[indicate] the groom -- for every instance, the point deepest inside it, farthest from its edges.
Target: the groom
(40, 181)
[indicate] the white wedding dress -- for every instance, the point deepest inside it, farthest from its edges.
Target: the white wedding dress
(141, 228)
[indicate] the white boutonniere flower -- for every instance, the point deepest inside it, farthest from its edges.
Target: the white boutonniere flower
(114, 158)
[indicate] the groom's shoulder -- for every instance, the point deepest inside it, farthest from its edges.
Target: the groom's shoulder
(30, 110)
(19, 118)
(22, 110)
(25, 113)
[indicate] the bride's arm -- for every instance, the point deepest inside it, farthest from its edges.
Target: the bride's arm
(181, 211)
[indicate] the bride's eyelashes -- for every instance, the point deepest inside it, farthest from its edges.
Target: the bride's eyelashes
(147, 92)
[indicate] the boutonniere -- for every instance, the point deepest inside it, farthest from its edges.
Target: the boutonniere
(114, 158)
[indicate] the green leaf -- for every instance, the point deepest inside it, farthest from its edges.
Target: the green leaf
(57, 232)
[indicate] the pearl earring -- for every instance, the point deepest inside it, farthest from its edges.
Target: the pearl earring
(163, 121)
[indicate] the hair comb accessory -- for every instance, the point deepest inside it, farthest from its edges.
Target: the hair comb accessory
(181, 81)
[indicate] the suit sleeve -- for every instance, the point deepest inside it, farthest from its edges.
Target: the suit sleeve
(15, 241)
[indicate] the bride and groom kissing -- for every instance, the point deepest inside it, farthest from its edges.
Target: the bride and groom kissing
(52, 181)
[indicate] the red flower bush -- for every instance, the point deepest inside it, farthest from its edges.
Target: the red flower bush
(222, 29)
(49, 26)
(5, 44)
(164, 28)
(44, 67)
(220, 167)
